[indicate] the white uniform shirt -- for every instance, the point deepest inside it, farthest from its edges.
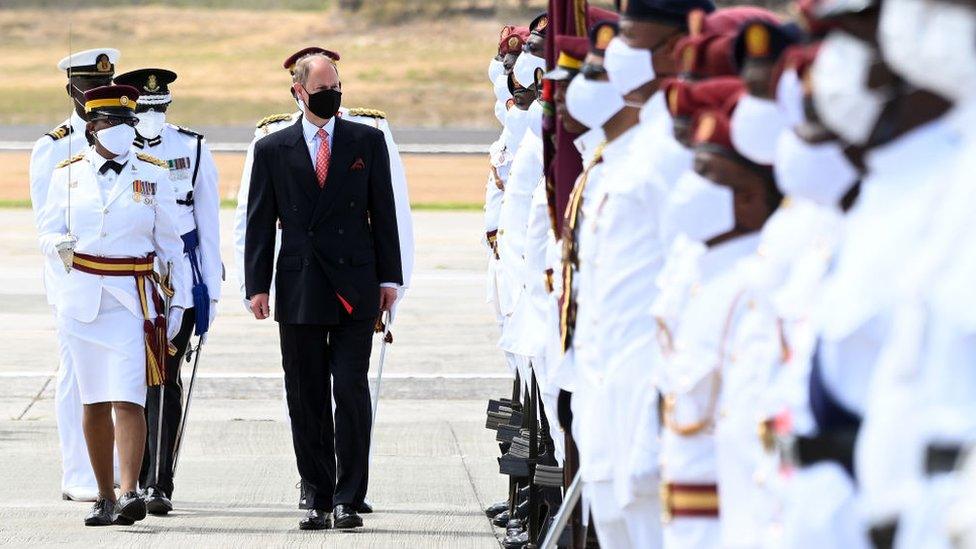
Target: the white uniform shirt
(116, 226)
(179, 150)
(45, 155)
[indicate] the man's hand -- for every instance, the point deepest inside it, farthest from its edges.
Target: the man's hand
(260, 307)
(388, 297)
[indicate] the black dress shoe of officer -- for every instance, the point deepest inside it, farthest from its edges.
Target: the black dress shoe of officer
(156, 502)
(345, 517)
(100, 514)
(365, 508)
(496, 509)
(130, 506)
(501, 519)
(516, 541)
(315, 520)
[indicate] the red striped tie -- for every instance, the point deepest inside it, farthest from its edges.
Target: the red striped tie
(322, 157)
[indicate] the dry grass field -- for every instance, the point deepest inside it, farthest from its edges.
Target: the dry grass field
(436, 181)
(425, 71)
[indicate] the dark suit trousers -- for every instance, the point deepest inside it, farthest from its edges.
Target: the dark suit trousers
(333, 457)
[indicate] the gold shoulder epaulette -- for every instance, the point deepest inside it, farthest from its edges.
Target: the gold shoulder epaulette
(273, 118)
(61, 131)
(372, 113)
(152, 160)
(71, 160)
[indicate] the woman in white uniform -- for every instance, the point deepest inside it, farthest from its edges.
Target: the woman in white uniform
(110, 218)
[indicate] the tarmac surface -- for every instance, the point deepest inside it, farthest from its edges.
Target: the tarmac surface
(434, 464)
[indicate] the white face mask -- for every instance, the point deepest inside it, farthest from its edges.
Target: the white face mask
(789, 97)
(116, 139)
(900, 28)
(535, 119)
(699, 208)
(592, 102)
(628, 68)
(840, 92)
(516, 123)
(818, 172)
(501, 111)
(525, 67)
(150, 123)
(495, 69)
(755, 126)
(948, 42)
(501, 88)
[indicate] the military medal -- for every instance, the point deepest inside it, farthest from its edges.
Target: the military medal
(137, 191)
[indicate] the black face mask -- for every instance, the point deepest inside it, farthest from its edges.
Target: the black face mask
(324, 103)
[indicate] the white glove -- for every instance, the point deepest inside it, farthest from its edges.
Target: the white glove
(174, 322)
(213, 313)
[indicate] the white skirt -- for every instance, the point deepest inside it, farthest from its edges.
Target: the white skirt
(109, 354)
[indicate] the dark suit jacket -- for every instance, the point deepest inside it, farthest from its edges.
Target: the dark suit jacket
(341, 240)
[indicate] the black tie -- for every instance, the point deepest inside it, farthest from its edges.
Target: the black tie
(110, 165)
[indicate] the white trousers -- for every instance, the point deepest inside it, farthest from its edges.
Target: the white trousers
(75, 466)
(611, 529)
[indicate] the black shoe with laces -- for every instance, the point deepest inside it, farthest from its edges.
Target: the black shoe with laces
(100, 513)
(130, 507)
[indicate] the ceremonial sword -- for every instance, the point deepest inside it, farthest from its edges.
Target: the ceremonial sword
(189, 398)
(387, 340)
(167, 301)
(565, 511)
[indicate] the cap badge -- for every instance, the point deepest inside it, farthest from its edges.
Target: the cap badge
(706, 128)
(124, 101)
(688, 58)
(696, 20)
(151, 84)
(673, 100)
(102, 64)
(603, 37)
(513, 43)
(543, 23)
(757, 40)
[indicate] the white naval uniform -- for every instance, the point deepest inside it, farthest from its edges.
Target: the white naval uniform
(698, 308)
(100, 318)
(924, 389)
(397, 176)
(521, 323)
(178, 147)
(771, 377)
(494, 190)
(854, 317)
(629, 257)
(593, 401)
(46, 154)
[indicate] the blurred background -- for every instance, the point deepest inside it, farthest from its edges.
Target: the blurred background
(423, 62)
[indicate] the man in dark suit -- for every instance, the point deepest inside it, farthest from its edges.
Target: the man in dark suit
(327, 182)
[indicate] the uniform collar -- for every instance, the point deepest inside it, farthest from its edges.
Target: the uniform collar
(309, 129)
(141, 142)
(720, 258)
(916, 149)
(97, 160)
(587, 143)
(619, 147)
(77, 123)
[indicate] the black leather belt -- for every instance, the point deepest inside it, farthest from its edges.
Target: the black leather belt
(941, 458)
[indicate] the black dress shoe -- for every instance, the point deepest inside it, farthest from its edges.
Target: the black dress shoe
(156, 502)
(345, 517)
(365, 508)
(496, 509)
(501, 519)
(130, 507)
(516, 541)
(100, 514)
(315, 519)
